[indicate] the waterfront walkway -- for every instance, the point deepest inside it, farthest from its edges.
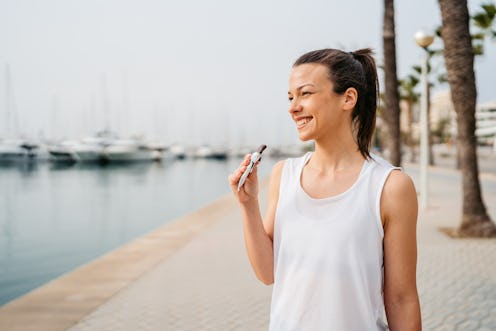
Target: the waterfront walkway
(202, 280)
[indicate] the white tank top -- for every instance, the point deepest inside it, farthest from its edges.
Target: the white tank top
(328, 254)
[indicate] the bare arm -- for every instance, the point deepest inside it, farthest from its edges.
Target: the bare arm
(399, 213)
(258, 233)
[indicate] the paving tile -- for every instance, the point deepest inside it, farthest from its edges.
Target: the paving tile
(208, 284)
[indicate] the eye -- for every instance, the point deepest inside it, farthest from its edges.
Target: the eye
(306, 93)
(290, 99)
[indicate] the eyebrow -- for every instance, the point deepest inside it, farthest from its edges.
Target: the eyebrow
(302, 86)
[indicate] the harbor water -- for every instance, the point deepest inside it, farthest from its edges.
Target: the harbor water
(54, 218)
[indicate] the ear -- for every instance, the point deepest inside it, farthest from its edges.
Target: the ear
(350, 98)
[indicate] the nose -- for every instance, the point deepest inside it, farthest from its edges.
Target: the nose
(294, 106)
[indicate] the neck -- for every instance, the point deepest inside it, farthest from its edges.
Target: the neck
(336, 152)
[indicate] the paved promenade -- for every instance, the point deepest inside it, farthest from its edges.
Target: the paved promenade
(205, 282)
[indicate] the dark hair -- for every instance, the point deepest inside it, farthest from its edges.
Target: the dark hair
(352, 69)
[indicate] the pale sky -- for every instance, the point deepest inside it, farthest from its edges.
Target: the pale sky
(185, 71)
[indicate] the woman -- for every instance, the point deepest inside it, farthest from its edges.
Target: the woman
(339, 237)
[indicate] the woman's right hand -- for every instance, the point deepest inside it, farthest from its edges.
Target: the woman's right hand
(249, 191)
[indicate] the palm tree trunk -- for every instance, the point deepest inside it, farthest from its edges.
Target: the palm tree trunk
(459, 58)
(410, 143)
(429, 133)
(392, 103)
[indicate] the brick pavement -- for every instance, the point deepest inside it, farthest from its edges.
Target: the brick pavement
(207, 283)
(456, 278)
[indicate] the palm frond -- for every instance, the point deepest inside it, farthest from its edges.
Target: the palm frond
(490, 9)
(478, 36)
(442, 78)
(478, 49)
(481, 20)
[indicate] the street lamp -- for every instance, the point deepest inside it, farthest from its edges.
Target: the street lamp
(424, 40)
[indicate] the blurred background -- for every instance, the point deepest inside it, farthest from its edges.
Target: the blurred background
(191, 72)
(88, 88)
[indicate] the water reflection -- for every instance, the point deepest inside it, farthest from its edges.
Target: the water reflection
(55, 217)
(25, 167)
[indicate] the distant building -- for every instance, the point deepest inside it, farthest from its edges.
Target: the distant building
(442, 115)
(441, 110)
(486, 123)
(404, 120)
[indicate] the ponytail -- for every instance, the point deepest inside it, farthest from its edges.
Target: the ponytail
(364, 114)
(358, 70)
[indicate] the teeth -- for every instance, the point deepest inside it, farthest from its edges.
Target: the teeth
(303, 121)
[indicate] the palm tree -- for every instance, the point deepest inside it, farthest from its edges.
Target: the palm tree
(407, 93)
(392, 103)
(483, 22)
(459, 59)
(418, 71)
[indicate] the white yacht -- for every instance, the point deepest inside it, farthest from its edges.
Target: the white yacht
(178, 151)
(14, 150)
(128, 150)
(159, 150)
(63, 151)
(90, 149)
(208, 152)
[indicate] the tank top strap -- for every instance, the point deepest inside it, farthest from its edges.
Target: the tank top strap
(290, 177)
(292, 171)
(381, 169)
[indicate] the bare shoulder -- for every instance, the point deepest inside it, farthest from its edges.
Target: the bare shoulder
(399, 182)
(275, 179)
(278, 166)
(277, 170)
(399, 196)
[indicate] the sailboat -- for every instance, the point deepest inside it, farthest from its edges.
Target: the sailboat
(88, 149)
(207, 152)
(14, 149)
(91, 149)
(129, 150)
(63, 152)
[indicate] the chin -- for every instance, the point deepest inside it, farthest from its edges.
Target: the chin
(304, 137)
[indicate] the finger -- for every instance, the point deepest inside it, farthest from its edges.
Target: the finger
(236, 175)
(232, 179)
(246, 161)
(251, 182)
(233, 182)
(241, 170)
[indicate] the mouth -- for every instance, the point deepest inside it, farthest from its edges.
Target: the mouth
(302, 121)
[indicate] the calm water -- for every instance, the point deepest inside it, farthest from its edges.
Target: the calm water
(56, 218)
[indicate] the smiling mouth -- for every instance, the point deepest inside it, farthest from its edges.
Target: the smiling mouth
(303, 121)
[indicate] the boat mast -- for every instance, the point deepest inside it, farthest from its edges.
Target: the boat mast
(106, 104)
(124, 120)
(7, 98)
(11, 121)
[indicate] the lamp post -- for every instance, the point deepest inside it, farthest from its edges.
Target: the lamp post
(424, 40)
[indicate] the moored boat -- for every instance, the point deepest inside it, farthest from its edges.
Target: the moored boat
(15, 150)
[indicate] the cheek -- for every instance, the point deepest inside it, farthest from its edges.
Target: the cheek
(327, 118)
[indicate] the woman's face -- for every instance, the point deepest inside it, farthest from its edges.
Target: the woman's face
(314, 107)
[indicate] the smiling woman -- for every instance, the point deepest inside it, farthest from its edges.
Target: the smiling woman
(338, 240)
(354, 69)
